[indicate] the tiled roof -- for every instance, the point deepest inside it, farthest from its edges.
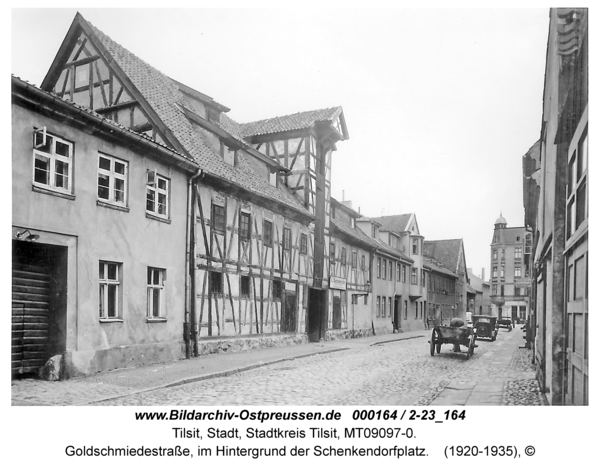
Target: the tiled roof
(447, 252)
(396, 223)
(434, 265)
(164, 96)
(298, 121)
(354, 233)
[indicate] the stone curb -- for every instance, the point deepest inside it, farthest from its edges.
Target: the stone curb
(397, 339)
(214, 375)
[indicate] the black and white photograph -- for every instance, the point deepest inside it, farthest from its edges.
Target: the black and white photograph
(301, 233)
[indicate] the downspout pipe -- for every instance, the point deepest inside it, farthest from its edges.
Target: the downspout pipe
(189, 323)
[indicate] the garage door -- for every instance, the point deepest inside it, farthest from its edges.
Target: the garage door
(30, 317)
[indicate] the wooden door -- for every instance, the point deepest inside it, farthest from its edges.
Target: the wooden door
(337, 313)
(30, 317)
(576, 391)
(289, 315)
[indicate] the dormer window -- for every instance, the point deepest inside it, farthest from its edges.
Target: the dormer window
(229, 155)
(212, 115)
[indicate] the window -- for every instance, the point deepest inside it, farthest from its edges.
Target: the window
(517, 272)
(415, 246)
(518, 238)
(277, 289)
(267, 233)
(354, 259)
(378, 267)
(413, 276)
(287, 238)
(495, 272)
(383, 301)
(494, 254)
(502, 273)
(109, 276)
(422, 277)
(416, 310)
(502, 290)
(389, 306)
(112, 180)
(362, 263)
(378, 306)
(517, 291)
(383, 269)
(518, 253)
(157, 195)
(344, 256)
(245, 286)
(405, 310)
(155, 293)
(390, 270)
(397, 272)
(332, 252)
(527, 244)
(244, 226)
(303, 243)
(494, 289)
(218, 218)
(404, 273)
(52, 162)
(216, 282)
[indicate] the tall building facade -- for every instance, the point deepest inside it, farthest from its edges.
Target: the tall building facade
(511, 279)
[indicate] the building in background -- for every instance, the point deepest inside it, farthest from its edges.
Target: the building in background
(510, 276)
(556, 201)
(482, 304)
(450, 253)
(441, 292)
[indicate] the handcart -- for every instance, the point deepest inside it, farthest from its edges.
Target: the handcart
(457, 336)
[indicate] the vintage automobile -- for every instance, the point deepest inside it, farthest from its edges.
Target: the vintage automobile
(485, 326)
(505, 322)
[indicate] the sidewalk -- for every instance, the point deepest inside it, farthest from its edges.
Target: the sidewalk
(124, 382)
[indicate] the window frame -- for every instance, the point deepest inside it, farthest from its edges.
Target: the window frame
(216, 282)
(154, 188)
(218, 221)
(104, 284)
(113, 176)
(53, 157)
(267, 233)
(150, 290)
(303, 244)
(414, 276)
(245, 229)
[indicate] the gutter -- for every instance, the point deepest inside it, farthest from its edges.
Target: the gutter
(189, 324)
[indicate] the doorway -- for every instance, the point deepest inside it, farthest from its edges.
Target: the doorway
(317, 315)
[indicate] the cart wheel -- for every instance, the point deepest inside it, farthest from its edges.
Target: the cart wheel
(471, 346)
(432, 344)
(438, 347)
(509, 328)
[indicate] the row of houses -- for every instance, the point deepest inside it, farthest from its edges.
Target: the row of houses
(150, 226)
(556, 202)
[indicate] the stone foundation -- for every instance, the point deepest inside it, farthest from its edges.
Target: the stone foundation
(332, 335)
(238, 344)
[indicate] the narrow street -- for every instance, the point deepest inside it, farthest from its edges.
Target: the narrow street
(390, 373)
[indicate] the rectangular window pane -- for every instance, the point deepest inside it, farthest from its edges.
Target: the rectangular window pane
(103, 182)
(104, 163)
(150, 201)
(102, 305)
(112, 271)
(62, 149)
(39, 138)
(119, 190)
(42, 170)
(162, 204)
(580, 214)
(112, 300)
(61, 171)
(119, 167)
(156, 302)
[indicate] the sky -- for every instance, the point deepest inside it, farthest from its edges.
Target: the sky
(440, 104)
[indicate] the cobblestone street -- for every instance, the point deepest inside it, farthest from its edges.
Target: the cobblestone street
(389, 373)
